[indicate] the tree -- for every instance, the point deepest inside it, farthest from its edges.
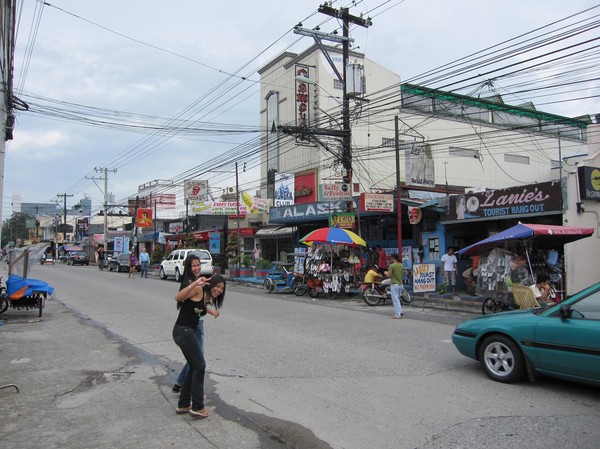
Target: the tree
(233, 249)
(190, 240)
(158, 254)
(15, 228)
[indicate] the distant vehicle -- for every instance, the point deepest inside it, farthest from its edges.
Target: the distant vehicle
(174, 263)
(47, 259)
(78, 258)
(119, 262)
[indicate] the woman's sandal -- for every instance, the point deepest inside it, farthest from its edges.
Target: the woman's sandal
(199, 413)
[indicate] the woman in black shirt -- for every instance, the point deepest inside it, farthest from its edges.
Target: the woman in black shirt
(194, 297)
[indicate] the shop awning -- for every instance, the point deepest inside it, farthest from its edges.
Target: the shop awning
(275, 232)
(545, 236)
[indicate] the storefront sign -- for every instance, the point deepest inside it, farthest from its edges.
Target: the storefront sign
(215, 243)
(534, 199)
(419, 164)
(376, 202)
(218, 208)
(423, 277)
(302, 96)
(195, 190)
(589, 183)
(175, 227)
(144, 218)
(306, 212)
(284, 189)
(343, 220)
(414, 215)
(335, 192)
(305, 188)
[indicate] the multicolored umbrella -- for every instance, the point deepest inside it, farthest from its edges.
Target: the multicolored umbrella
(333, 235)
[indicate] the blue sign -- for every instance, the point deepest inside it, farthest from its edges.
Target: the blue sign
(215, 243)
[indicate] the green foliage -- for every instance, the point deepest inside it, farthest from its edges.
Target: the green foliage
(190, 241)
(14, 228)
(441, 289)
(232, 250)
(158, 254)
(263, 263)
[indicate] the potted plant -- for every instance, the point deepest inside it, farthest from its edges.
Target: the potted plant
(263, 267)
(232, 252)
(246, 269)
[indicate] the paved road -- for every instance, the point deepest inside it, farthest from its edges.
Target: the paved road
(283, 372)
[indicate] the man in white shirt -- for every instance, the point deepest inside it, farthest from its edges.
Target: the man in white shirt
(541, 290)
(449, 262)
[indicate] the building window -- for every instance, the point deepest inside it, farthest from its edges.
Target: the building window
(554, 165)
(463, 152)
(517, 159)
(338, 85)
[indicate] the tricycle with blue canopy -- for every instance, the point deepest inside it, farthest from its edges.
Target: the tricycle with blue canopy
(282, 278)
(24, 293)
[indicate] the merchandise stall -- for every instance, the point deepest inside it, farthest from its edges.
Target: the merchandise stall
(331, 260)
(518, 255)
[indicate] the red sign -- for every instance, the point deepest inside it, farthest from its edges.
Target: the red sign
(305, 188)
(144, 218)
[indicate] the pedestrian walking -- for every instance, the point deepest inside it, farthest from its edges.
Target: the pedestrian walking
(144, 263)
(101, 256)
(132, 264)
(395, 273)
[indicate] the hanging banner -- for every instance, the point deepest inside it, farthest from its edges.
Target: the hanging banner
(218, 208)
(144, 218)
(419, 164)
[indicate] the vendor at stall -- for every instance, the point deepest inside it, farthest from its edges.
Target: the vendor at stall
(542, 290)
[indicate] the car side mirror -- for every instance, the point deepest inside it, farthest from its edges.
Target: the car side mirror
(565, 311)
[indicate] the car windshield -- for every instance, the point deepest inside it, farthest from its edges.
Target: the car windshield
(202, 255)
(123, 257)
(79, 254)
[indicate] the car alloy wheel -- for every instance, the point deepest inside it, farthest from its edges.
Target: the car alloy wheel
(501, 359)
(177, 275)
(162, 274)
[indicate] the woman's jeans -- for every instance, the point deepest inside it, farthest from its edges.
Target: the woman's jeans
(396, 291)
(192, 390)
(200, 336)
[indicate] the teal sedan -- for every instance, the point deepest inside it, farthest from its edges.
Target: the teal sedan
(560, 341)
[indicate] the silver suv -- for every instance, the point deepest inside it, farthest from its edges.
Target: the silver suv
(173, 265)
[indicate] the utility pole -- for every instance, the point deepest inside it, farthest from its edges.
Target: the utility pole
(64, 196)
(105, 178)
(347, 19)
(237, 201)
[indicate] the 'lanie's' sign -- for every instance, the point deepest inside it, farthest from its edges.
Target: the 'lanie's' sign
(533, 199)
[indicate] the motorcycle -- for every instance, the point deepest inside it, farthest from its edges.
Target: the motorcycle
(374, 293)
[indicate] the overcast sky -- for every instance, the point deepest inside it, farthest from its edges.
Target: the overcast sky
(148, 62)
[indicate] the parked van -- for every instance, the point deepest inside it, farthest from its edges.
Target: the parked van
(173, 265)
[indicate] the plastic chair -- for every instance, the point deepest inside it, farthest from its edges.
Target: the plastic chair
(524, 297)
